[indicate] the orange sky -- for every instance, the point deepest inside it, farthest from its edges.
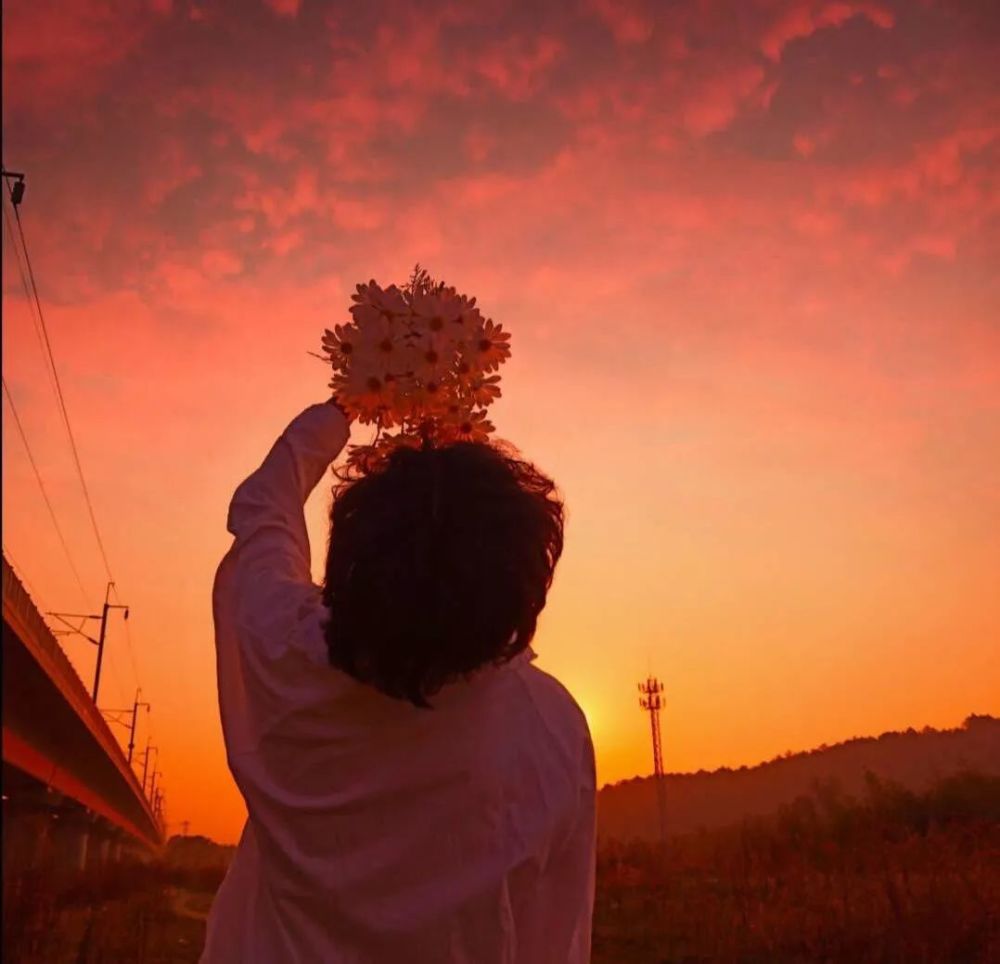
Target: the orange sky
(748, 256)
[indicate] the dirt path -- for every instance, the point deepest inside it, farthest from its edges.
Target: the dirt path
(190, 904)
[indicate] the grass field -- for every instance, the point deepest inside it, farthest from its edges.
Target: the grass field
(897, 877)
(135, 915)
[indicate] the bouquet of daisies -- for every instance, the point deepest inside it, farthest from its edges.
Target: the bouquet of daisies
(419, 362)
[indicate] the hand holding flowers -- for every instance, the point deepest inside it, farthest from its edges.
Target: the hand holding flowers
(420, 359)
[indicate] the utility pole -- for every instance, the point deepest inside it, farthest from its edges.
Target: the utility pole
(651, 700)
(152, 784)
(135, 712)
(99, 642)
(17, 191)
(145, 761)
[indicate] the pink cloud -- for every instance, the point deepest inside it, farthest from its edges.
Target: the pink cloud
(480, 189)
(175, 169)
(804, 18)
(279, 201)
(517, 67)
(54, 50)
(804, 145)
(935, 166)
(941, 247)
(285, 242)
(409, 54)
(938, 246)
(220, 263)
(818, 135)
(180, 281)
(627, 21)
(356, 215)
(479, 142)
(815, 223)
(284, 8)
(714, 102)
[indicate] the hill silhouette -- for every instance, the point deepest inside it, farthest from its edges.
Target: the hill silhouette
(710, 799)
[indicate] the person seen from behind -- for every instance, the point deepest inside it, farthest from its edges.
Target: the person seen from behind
(417, 791)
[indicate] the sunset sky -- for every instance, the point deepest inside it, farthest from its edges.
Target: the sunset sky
(748, 254)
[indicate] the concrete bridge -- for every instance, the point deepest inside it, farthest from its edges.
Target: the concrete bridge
(70, 798)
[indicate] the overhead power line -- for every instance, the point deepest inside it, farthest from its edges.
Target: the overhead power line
(32, 310)
(15, 194)
(58, 386)
(41, 486)
(24, 284)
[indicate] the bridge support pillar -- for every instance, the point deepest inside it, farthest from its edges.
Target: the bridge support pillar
(25, 839)
(72, 838)
(82, 845)
(78, 833)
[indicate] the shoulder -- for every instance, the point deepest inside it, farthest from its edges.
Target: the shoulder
(557, 714)
(559, 746)
(547, 690)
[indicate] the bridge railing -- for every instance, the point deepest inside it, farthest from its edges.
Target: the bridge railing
(17, 597)
(19, 608)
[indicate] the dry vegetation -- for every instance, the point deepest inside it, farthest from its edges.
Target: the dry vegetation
(128, 915)
(893, 877)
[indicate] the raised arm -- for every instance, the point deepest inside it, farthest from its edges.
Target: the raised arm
(268, 613)
(265, 514)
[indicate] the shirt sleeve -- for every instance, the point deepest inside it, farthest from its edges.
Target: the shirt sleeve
(582, 857)
(573, 870)
(265, 514)
(268, 613)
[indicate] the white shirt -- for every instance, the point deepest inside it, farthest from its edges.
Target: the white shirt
(378, 831)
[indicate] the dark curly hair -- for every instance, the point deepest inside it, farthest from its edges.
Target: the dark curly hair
(439, 563)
